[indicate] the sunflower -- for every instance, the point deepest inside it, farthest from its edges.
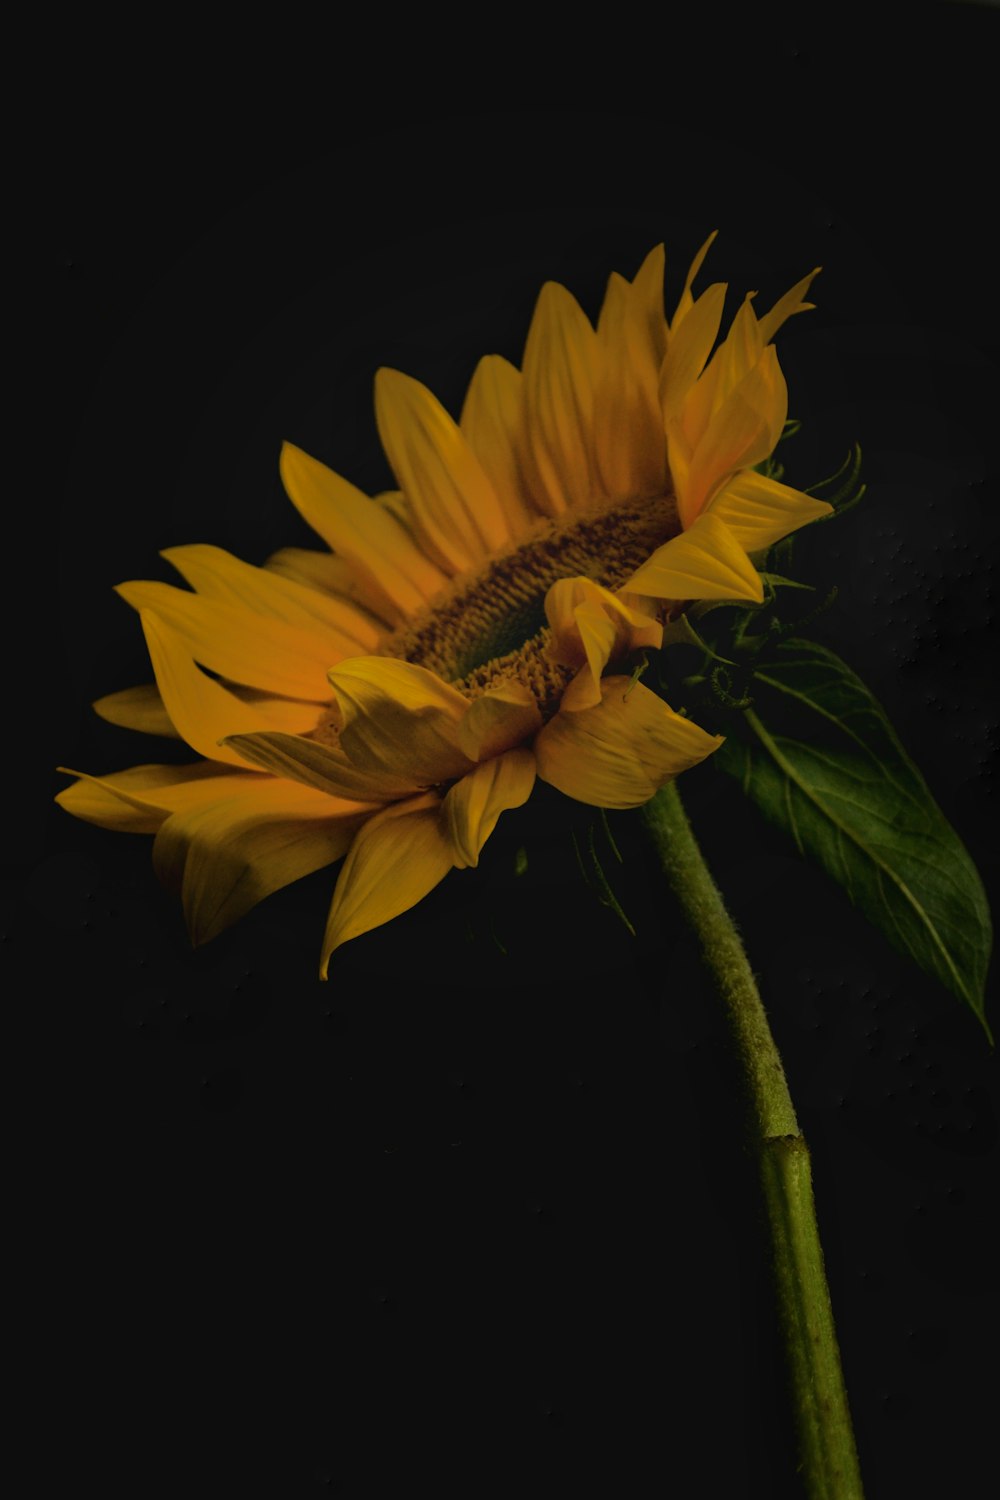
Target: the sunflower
(388, 699)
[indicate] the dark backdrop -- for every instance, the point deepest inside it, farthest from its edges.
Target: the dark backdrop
(481, 1200)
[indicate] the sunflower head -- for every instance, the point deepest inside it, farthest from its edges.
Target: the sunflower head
(388, 698)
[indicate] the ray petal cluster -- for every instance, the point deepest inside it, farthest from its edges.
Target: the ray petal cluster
(382, 699)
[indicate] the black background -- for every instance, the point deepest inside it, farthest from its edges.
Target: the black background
(480, 1202)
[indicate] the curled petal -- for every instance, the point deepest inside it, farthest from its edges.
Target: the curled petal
(620, 752)
(590, 627)
(759, 511)
(324, 767)
(704, 562)
(473, 805)
(497, 720)
(399, 719)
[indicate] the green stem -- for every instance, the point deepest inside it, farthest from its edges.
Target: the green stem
(829, 1462)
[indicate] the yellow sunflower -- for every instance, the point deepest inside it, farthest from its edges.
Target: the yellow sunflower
(388, 699)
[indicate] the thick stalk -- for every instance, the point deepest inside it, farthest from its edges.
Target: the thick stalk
(829, 1462)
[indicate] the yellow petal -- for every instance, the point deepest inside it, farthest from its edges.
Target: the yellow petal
(240, 644)
(628, 440)
(397, 858)
(591, 626)
(792, 302)
(743, 431)
(492, 423)
(226, 856)
(499, 719)
(732, 361)
(741, 349)
(759, 511)
(216, 574)
(137, 708)
(394, 569)
(704, 562)
(399, 719)
(686, 300)
(602, 639)
(634, 627)
(648, 298)
(473, 805)
(454, 506)
(561, 368)
(203, 711)
(139, 799)
(622, 751)
(329, 574)
(396, 504)
(611, 315)
(690, 345)
(324, 767)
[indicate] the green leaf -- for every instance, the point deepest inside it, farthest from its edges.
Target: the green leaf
(819, 757)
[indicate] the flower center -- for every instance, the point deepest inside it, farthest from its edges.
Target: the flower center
(489, 626)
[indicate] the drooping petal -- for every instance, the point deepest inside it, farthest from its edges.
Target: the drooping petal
(217, 574)
(239, 643)
(396, 859)
(492, 423)
(139, 799)
(329, 574)
(454, 506)
(473, 805)
(138, 708)
(620, 752)
(497, 720)
(324, 767)
(759, 511)
(591, 626)
(399, 719)
(203, 711)
(395, 570)
(792, 302)
(561, 370)
(227, 855)
(704, 562)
